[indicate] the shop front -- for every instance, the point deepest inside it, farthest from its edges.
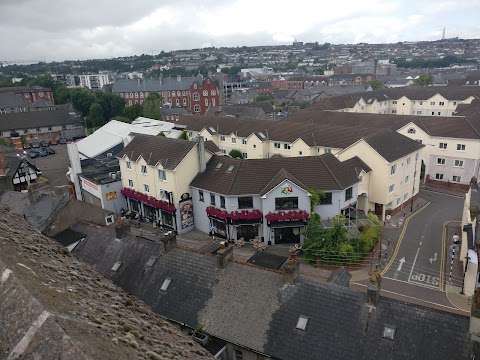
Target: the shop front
(286, 227)
(236, 224)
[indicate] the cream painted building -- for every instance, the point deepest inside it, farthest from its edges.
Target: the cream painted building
(156, 175)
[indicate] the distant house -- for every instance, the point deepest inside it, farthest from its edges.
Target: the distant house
(17, 172)
(32, 94)
(240, 97)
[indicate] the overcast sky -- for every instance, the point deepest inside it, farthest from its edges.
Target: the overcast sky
(52, 30)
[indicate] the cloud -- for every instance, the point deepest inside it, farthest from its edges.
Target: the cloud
(110, 28)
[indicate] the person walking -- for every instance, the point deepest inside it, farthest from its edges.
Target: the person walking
(456, 239)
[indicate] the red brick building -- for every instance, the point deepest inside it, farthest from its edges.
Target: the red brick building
(31, 94)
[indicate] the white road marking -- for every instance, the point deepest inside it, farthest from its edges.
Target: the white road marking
(414, 261)
(402, 260)
(414, 283)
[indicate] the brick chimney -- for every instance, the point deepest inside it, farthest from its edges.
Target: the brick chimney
(201, 154)
(3, 165)
(224, 254)
(122, 229)
(291, 270)
(168, 241)
(373, 289)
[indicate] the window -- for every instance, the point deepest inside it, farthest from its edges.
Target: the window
(38, 130)
(326, 199)
(206, 102)
(130, 183)
(244, 155)
(419, 112)
(245, 202)
(432, 103)
(458, 163)
(302, 322)
(196, 96)
(441, 103)
(222, 202)
(212, 199)
(205, 92)
(144, 169)
(420, 103)
(244, 141)
(162, 175)
(439, 176)
(394, 111)
(131, 95)
(129, 165)
(224, 151)
(168, 93)
(146, 188)
(213, 102)
(234, 140)
(238, 355)
(196, 108)
(254, 146)
(24, 131)
(136, 94)
(409, 161)
(399, 201)
(49, 128)
(286, 146)
(440, 161)
(348, 193)
(200, 196)
(460, 147)
(300, 153)
(178, 92)
(195, 85)
(411, 131)
(286, 203)
(393, 170)
(405, 196)
(391, 188)
(222, 138)
(141, 94)
(433, 112)
(456, 178)
(177, 102)
(276, 145)
(442, 145)
(213, 92)
(394, 102)
(439, 113)
(183, 93)
(454, 103)
(163, 195)
(328, 150)
(184, 101)
(166, 284)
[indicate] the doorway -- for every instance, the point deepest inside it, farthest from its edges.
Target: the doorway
(248, 232)
(378, 209)
(287, 235)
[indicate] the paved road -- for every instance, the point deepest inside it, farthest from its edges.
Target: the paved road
(54, 167)
(417, 269)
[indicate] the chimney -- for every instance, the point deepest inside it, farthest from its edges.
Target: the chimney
(373, 289)
(375, 68)
(291, 270)
(3, 165)
(179, 77)
(473, 182)
(224, 254)
(169, 241)
(201, 154)
(122, 229)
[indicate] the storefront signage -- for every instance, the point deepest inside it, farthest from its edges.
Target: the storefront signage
(90, 187)
(287, 189)
(186, 213)
(110, 196)
(184, 197)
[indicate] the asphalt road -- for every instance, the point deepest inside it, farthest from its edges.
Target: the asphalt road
(416, 269)
(55, 166)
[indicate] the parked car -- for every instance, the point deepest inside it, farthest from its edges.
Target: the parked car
(32, 154)
(62, 141)
(41, 153)
(35, 145)
(48, 150)
(44, 143)
(26, 146)
(53, 142)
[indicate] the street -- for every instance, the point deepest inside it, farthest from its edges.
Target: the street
(417, 269)
(55, 166)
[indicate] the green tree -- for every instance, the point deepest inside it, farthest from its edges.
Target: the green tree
(183, 136)
(151, 106)
(376, 84)
(112, 104)
(234, 153)
(123, 119)
(95, 115)
(161, 134)
(424, 80)
(82, 100)
(132, 112)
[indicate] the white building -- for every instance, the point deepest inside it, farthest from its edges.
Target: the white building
(95, 81)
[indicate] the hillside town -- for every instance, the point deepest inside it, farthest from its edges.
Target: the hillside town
(303, 201)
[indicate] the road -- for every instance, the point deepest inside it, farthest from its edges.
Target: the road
(54, 167)
(416, 269)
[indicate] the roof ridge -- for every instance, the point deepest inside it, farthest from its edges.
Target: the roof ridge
(424, 127)
(236, 168)
(471, 125)
(330, 171)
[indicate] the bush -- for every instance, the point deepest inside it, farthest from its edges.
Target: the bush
(368, 238)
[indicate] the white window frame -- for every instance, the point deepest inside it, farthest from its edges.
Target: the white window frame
(146, 188)
(244, 141)
(276, 145)
(129, 165)
(196, 96)
(197, 108)
(461, 147)
(143, 169)
(130, 183)
(438, 176)
(222, 138)
(441, 161)
(162, 175)
(205, 93)
(391, 188)
(393, 169)
(456, 178)
(458, 163)
(234, 140)
(443, 146)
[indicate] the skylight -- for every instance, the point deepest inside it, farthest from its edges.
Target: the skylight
(116, 266)
(166, 284)
(151, 261)
(230, 168)
(302, 322)
(389, 332)
(212, 129)
(262, 135)
(219, 165)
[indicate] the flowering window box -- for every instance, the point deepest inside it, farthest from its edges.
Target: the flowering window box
(251, 215)
(149, 200)
(216, 212)
(292, 215)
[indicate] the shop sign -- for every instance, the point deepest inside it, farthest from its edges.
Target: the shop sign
(110, 196)
(286, 189)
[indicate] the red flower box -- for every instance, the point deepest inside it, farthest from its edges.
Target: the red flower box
(292, 215)
(246, 215)
(150, 200)
(218, 213)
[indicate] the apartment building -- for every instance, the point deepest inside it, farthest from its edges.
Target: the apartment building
(95, 81)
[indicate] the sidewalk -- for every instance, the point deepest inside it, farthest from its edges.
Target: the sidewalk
(442, 190)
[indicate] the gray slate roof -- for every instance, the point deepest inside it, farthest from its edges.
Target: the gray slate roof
(12, 101)
(36, 119)
(41, 213)
(392, 145)
(156, 85)
(157, 149)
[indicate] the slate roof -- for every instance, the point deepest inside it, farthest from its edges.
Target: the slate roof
(41, 213)
(8, 100)
(68, 237)
(136, 85)
(35, 119)
(15, 89)
(237, 110)
(324, 172)
(392, 145)
(212, 147)
(157, 149)
(16, 201)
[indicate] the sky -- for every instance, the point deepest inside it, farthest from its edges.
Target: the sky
(55, 30)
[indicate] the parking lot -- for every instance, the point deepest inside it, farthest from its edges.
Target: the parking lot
(55, 166)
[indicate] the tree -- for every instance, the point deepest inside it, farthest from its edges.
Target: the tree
(424, 80)
(183, 136)
(132, 112)
(123, 119)
(234, 153)
(95, 115)
(82, 100)
(161, 134)
(376, 84)
(112, 104)
(151, 106)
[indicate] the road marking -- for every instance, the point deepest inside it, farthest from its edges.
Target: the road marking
(437, 192)
(402, 260)
(414, 283)
(400, 239)
(433, 259)
(414, 298)
(414, 261)
(420, 243)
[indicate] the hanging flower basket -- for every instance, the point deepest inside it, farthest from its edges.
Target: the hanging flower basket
(292, 215)
(149, 200)
(216, 212)
(246, 215)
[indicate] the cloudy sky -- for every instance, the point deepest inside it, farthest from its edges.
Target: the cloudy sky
(52, 30)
